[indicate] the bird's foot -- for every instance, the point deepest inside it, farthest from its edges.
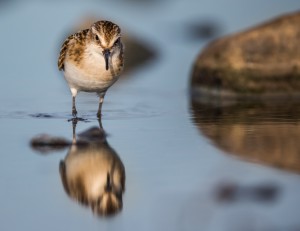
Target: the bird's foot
(74, 114)
(77, 119)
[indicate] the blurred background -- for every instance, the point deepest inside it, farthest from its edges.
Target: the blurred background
(189, 165)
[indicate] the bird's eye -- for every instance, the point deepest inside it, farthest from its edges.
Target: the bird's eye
(117, 41)
(97, 38)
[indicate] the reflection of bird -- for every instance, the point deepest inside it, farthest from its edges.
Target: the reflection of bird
(93, 174)
(92, 60)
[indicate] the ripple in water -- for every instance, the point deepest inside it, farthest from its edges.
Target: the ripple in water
(109, 114)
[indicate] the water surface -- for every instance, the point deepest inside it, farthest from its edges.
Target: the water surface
(175, 151)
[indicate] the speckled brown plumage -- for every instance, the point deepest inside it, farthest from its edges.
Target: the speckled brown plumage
(74, 43)
(107, 28)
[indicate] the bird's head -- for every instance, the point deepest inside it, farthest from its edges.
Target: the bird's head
(110, 202)
(107, 37)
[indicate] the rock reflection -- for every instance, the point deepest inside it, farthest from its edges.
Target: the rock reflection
(92, 173)
(263, 132)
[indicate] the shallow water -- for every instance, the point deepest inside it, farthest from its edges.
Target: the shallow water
(175, 151)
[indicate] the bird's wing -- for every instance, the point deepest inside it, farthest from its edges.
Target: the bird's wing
(63, 52)
(77, 37)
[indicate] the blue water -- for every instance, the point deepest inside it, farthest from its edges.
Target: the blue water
(172, 167)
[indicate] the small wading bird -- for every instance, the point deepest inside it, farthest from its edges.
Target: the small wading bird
(92, 60)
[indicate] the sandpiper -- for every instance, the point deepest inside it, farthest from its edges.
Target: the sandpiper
(92, 60)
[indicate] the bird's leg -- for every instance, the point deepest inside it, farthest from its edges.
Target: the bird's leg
(74, 111)
(101, 99)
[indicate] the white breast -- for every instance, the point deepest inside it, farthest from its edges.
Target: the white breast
(91, 75)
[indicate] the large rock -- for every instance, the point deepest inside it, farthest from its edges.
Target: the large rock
(262, 61)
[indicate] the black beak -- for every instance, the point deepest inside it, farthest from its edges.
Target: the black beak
(108, 186)
(106, 54)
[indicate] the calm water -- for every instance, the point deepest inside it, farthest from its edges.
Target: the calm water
(181, 156)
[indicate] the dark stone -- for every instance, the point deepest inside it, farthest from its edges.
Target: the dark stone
(202, 29)
(137, 53)
(260, 62)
